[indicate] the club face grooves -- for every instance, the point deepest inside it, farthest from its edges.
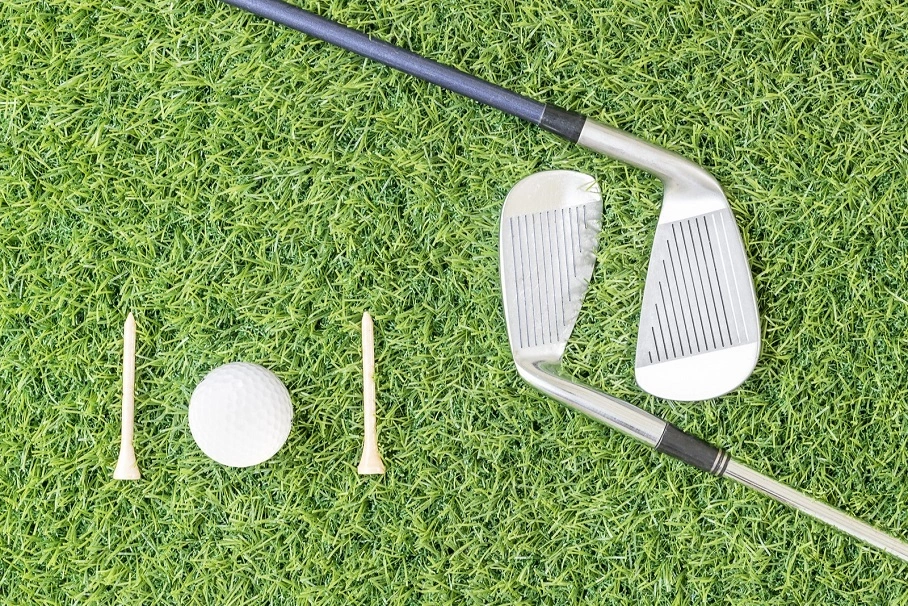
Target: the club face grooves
(698, 301)
(549, 235)
(553, 269)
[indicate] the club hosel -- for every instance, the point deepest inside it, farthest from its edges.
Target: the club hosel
(617, 414)
(624, 417)
(676, 172)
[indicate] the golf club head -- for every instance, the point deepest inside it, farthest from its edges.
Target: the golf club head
(699, 334)
(549, 234)
(550, 225)
(699, 327)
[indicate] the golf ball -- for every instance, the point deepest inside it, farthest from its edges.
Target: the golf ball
(240, 414)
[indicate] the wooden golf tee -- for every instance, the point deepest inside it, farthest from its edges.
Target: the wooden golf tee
(370, 462)
(127, 469)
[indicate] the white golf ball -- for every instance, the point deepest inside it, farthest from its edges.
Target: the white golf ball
(240, 414)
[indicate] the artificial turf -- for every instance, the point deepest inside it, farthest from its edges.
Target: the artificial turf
(248, 192)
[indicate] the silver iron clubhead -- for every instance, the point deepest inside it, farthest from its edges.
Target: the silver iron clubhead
(549, 234)
(699, 331)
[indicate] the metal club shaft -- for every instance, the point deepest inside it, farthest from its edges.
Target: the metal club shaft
(834, 517)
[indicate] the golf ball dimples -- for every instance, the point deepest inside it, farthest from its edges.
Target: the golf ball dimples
(240, 414)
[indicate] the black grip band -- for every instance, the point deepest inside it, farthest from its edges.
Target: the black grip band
(692, 451)
(562, 122)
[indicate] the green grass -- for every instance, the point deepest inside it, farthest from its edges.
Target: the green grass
(248, 192)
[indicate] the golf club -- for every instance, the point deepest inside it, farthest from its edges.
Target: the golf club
(699, 333)
(549, 233)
